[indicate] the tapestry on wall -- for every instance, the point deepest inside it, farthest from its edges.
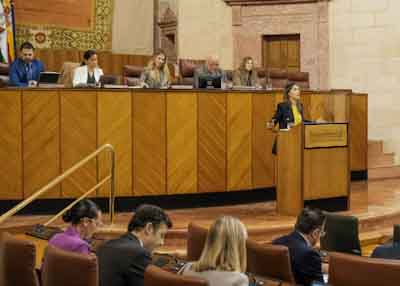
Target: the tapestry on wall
(65, 24)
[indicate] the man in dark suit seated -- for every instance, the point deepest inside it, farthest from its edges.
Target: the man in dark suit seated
(123, 261)
(25, 70)
(387, 251)
(305, 260)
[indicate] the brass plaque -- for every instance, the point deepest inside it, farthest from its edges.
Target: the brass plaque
(325, 135)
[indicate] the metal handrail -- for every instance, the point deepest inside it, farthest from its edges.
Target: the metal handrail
(66, 174)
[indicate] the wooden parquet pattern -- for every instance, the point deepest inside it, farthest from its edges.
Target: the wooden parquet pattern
(115, 127)
(239, 147)
(149, 155)
(41, 141)
(78, 139)
(11, 145)
(359, 113)
(212, 142)
(182, 143)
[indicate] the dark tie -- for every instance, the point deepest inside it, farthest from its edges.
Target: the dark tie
(29, 75)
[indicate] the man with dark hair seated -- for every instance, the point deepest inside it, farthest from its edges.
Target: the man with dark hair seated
(387, 251)
(305, 260)
(123, 261)
(25, 70)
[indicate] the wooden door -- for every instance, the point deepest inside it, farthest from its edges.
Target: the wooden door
(282, 52)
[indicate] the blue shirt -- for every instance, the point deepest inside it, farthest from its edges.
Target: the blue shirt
(21, 73)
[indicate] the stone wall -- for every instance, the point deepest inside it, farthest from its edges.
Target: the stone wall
(365, 56)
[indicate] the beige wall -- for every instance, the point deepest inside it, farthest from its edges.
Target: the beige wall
(205, 28)
(365, 56)
(133, 27)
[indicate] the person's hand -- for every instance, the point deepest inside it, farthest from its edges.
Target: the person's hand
(2, 29)
(144, 85)
(32, 83)
(270, 124)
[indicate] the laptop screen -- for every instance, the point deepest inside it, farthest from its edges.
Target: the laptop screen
(49, 77)
(210, 81)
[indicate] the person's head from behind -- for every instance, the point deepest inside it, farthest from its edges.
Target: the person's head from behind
(225, 247)
(247, 64)
(85, 216)
(311, 223)
(150, 224)
(159, 59)
(212, 63)
(292, 92)
(27, 52)
(90, 59)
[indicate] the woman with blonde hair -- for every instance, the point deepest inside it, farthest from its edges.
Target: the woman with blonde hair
(246, 75)
(156, 74)
(223, 260)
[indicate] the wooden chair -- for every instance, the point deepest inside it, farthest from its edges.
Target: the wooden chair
(196, 239)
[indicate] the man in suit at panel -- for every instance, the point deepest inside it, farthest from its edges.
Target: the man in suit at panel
(210, 68)
(123, 261)
(305, 260)
(387, 251)
(25, 70)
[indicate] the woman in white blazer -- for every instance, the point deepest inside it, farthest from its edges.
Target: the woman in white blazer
(89, 73)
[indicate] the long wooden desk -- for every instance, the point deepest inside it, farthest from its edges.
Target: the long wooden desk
(167, 141)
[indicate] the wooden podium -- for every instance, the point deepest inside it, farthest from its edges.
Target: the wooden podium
(313, 168)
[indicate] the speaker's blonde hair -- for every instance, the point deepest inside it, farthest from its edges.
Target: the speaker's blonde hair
(225, 247)
(154, 72)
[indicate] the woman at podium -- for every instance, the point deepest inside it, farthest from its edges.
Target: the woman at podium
(290, 112)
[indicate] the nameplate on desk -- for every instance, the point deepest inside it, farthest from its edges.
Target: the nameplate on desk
(325, 135)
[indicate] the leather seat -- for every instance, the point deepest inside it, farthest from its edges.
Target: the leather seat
(131, 74)
(155, 276)
(345, 270)
(341, 234)
(4, 75)
(186, 70)
(64, 268)
(67, 73)
(17, 262)
(300, 78)
(269, 260)
(278, 78)
(196, 239)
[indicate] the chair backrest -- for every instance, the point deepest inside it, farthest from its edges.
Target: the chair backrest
(396, 233)
(155, 276)
(300, 78)
(278, 78)
(229, 75)
(17, 262)
(67, 73)
(64, 268)
(345, 270)
(269, 261)
(109, 79)
(196, 239)
(262, 76)
(131, 74)
(341, 234)
(186, 70)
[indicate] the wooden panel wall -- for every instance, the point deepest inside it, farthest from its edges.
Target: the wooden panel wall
(109, 62)
(11, 145)
(167, 142)
(41, 140)
(78, 139)
(239, 132)
(212, 142)
(114, 127)
(149, 147)
(181, 142)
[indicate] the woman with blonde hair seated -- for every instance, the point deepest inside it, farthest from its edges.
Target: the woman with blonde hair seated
(246, 75)
(156, 74)
(223, 260)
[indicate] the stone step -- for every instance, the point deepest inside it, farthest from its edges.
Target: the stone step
(384, 173)
(382, 160)
(375, 147)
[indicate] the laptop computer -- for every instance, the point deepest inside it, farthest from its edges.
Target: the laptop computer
(210, 81)
(47, 78)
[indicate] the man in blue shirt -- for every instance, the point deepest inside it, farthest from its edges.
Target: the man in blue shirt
(25, 70)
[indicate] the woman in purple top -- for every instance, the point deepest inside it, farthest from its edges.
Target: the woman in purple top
(84, 218)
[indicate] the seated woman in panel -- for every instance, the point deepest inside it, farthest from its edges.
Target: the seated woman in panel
(88, 73)
(84, 218)
(156, 74)
(223, 260)
(246, 75)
